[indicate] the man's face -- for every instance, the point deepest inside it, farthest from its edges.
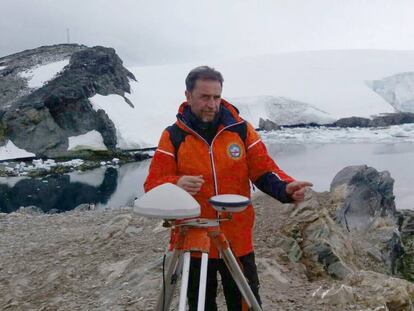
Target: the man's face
(205, 99)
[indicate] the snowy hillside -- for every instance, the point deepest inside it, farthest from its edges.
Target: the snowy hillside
(328, 81)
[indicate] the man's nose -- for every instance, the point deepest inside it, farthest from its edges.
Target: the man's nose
(211, 103)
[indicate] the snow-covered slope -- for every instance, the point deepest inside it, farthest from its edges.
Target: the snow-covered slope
(326, 81)
(282, 111)
(397, 90)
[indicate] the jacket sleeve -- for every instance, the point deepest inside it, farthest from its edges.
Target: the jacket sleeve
(163, 168)
(263, 171)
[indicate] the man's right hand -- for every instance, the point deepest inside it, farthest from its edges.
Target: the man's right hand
(191, 184)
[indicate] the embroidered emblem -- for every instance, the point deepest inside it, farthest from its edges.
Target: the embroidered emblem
(234, 151)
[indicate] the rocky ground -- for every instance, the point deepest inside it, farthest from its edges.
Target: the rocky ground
(111, 260)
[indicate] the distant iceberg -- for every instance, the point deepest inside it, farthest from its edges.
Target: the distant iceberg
(397, 90)
(281, 110)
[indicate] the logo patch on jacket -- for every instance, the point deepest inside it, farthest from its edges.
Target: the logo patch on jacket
(234, 151)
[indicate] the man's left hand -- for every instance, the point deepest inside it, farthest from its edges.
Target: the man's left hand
(296, 190)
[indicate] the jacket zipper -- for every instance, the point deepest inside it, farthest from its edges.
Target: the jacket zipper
(210, 149)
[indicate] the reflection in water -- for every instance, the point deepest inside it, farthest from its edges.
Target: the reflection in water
(56, 192)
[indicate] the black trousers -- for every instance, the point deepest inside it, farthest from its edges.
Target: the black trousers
(231, 292)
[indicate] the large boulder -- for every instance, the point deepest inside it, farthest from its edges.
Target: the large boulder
(324, 246)
(362, 194)
(41, 119)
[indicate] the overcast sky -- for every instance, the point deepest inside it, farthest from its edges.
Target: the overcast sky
(159, 32)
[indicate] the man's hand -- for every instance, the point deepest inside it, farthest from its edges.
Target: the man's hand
(296, 190)
(191, 184)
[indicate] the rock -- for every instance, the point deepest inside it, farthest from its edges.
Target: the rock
(392, 119)
(375, 254)
(41, 120)
(383, 120)
(362, 193)
(405, 263)
(268, 125)
(352, 122)
(85, 207)
(344, 295)
(324, 245)
(291, 247)
(29, 210)
(374, 289)
(116, 227)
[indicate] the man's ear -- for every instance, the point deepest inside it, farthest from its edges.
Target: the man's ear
(188, 96)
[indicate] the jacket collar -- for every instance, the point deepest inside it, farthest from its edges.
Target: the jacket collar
(228, 114)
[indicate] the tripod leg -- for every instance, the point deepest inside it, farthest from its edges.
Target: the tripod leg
(165, 297)
(203, 282)
(184, 282)
(240, 280)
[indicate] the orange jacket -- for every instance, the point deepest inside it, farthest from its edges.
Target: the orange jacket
(227, 166)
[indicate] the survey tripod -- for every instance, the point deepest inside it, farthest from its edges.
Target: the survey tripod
(195, 235)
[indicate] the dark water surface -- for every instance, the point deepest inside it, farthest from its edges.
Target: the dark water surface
(110, 187)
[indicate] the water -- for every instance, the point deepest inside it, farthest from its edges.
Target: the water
(319, 163)
(110, 187)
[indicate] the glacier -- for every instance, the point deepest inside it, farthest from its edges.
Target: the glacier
(397, 90)
(281, 110)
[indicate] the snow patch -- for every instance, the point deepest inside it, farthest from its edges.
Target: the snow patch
(11, 151)
(129, 122)
(38, 76)
(92, 140)
(2, 67)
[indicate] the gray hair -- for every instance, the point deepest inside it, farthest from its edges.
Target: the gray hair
(202, 73)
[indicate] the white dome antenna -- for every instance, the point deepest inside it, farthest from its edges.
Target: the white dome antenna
(167, 201)
(229, 202)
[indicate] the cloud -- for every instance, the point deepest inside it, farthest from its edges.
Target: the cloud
(158, 31)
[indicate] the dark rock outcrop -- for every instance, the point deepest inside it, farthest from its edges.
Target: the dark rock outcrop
(41, 120)
(352, 122)
(366, 194)
(392, 119)
(405, 263)
(387, 119)
(12, 85)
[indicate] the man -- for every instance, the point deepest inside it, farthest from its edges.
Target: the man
(211, 150)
